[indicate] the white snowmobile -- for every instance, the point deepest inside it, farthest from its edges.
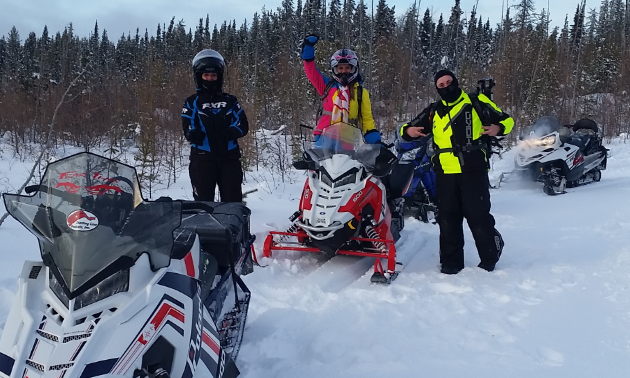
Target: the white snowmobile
(126, 287)
(560, 157)
(344, 207)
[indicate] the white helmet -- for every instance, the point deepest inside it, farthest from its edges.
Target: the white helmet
(345, 56)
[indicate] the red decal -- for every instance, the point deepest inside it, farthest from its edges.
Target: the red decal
(74, 217)
(578, 159)
(69, 187)
(73, 174)
(190, 265)
(307, 195)
(357, 199)
(102, 189)
(209, 341)
(126, 361)
(99, 176)
(165, 310)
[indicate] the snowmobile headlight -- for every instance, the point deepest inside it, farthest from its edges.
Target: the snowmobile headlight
(56, 288)
(543, 142)
(325, 178)
(113, 284)
(348, 178)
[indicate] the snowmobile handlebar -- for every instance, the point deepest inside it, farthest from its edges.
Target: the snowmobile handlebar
(31, 189)
(59, 193)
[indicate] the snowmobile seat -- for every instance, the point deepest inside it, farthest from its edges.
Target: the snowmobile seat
(224, 234)
(586, 124)
(579, 140)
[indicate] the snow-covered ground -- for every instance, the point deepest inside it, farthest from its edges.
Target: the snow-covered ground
(558, 304)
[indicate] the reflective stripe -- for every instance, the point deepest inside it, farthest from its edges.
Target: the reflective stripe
(402, 129)
(469, 132)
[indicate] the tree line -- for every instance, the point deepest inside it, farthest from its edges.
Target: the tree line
(133, 87)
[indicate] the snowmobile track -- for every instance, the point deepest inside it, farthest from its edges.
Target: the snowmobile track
(339, 272)
(342, 271)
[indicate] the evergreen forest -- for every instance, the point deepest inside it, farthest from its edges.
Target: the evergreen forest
(130, 89)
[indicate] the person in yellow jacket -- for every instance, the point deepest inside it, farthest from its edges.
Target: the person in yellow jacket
(460, 141)
(340, 94)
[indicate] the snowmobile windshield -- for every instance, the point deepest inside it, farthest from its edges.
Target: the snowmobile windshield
(543, 126)
(341, 138)
(91, 221)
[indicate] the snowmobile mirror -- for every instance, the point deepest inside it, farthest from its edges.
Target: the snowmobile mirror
(303, 136)
(303, 165)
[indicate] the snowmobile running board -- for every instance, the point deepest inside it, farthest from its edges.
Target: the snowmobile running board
(380, 274)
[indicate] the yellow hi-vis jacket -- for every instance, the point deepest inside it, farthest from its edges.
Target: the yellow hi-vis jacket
(456, 128)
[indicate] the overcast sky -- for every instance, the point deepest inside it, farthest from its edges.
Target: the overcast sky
(124, 16)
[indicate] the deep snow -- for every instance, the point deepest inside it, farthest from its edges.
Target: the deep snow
(558, 304)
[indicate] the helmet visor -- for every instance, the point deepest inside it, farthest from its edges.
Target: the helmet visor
(208, 65)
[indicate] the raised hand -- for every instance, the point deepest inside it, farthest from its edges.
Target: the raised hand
(308, 47)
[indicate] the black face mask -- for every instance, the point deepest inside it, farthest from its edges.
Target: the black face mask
(210, 86)
(450, 94)
(344, 78)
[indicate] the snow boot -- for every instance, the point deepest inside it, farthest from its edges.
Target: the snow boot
(450, 269)
(486, 266)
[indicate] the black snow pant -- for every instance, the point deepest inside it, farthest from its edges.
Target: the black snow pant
(206, 174)
(466, 195)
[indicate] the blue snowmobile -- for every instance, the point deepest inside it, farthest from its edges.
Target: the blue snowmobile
(420, 195)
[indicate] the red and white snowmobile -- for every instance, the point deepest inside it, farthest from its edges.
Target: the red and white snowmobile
(343, 208)
(126, 287)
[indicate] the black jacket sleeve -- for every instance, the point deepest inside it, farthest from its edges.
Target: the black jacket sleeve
(492, 115)
(422, 120)
(239, 126)
(187, 118)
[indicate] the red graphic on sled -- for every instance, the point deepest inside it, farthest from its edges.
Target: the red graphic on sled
(102, 189)
(82, 220)
(69, 187)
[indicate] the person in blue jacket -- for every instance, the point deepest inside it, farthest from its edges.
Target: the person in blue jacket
(213, 121)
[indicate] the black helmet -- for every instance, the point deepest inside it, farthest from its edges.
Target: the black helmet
(211, 61)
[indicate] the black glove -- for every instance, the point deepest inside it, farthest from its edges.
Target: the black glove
(196, 136)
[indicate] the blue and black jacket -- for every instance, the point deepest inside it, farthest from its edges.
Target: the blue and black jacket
(222, 121)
